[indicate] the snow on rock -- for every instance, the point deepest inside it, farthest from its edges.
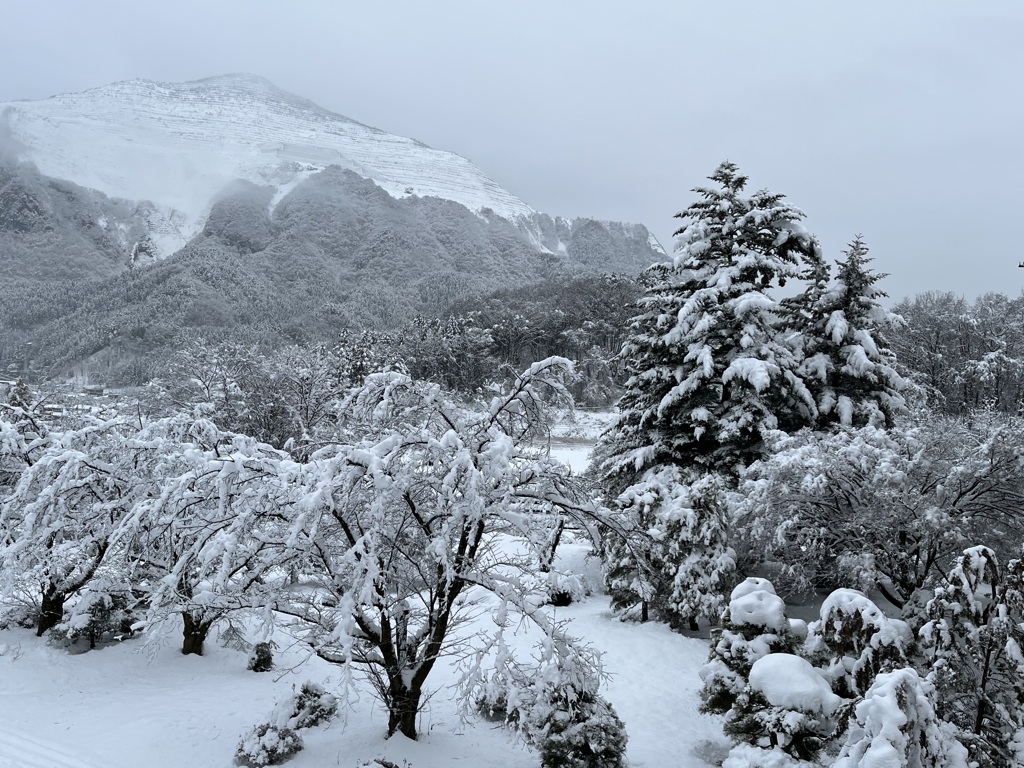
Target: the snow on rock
(791, 682)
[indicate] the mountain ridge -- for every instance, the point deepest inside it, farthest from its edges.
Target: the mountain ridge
(179, 144)
(228, 208)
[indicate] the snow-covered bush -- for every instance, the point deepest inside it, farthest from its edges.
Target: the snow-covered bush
(863, 508)
(895, 726)
(562, 588)
(553, 706)
(261, 659)
(267, 744)
(753, 626)
(972, 643)
(97, 615)
(585, 733)
(854, 641)
(670, 551)
(310, 706)
(787, 704)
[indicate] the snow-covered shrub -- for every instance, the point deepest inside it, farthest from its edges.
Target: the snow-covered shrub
(896, 726)
(97, 616)
(561, 588)
(670, 552)
(972, 643)
(585, 733)
(787, 704)
(557, 711)
(863, 508)
(267, 744)
(854, 641)
(753, 626)
(310, 706)
(261, 659)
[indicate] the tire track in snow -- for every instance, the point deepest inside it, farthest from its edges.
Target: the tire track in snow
(18, 751)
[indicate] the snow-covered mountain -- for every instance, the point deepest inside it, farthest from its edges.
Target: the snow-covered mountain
(283, 222)
(179, 144)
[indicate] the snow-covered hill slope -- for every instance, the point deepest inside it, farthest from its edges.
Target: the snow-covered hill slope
(179, 144)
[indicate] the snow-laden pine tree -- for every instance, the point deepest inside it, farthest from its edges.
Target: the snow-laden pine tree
(710, 368)
(846, 359)
(674, 559)
(895, 725)
(973, 642)
(753, 626)
(853, 641)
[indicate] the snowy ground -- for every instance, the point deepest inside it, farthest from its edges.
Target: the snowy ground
(127, 706)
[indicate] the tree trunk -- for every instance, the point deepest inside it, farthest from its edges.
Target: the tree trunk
(403, 706)
(195, 634)
(51, 611)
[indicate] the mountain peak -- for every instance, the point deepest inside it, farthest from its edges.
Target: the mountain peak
(179, 144)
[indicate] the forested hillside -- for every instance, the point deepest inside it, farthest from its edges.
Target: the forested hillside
(336, 254)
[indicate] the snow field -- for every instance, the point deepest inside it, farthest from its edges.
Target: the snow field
(129, 705)
(133, 705)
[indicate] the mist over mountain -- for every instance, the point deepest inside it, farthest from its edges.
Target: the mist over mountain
(226, 207)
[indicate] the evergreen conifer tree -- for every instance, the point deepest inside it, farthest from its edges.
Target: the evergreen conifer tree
(846, 358)
(895, 724)
(672, 554)
(973, 641)
(753, 626)
(710, 368)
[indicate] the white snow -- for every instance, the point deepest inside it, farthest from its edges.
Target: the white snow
(178, 144)
(122, 707)
(759, 608)
(127, 705)
(755, 372)
(791, 682)
(752, 584)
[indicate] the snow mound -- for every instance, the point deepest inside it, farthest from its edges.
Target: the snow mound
(759, 608)
(791, 682)
(752, 584)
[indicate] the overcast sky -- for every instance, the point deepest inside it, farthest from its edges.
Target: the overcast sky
(902, 121)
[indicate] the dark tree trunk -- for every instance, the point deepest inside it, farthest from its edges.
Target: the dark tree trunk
(51, 611)
(403, 706)
(195, 634)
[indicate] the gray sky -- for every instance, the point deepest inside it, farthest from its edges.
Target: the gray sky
(899, 120)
